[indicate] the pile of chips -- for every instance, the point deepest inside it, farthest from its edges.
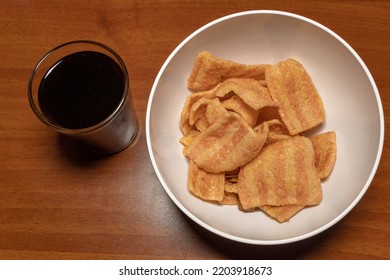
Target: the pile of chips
(243, 132)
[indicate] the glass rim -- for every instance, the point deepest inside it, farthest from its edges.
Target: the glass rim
(98, 125)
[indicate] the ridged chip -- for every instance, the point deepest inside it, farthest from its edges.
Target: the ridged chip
(236, 104)
(283, 173)
(215, 111)
(230, 195)
(227, 144)
(282, 213)
(212, 112)
(277, 131)
(205, 185)
(198, 109)
(324, 145)
(251, 91)
(189, 138)
(185, 125)
(208, 71)
(290, 85)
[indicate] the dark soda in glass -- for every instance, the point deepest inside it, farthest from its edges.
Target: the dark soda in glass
(81, 90)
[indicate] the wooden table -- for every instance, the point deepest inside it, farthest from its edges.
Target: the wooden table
(58, 202)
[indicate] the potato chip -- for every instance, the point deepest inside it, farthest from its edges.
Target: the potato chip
(249, 90)
(283, 173)
(202, 123)
(269, 113)
(231, 187)
(290, 85)
(205, 185)
(282, 213)
(229, 199)
(206, 112)
(198, 109)
(230, 195)
(236, 104)
(185, 126)
(277, 126)
(189, 138)
(227, 144)
(215, 111)
(208, 71)
(324, 145)
(276, 131)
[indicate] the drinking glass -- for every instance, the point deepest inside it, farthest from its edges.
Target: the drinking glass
(116, 130)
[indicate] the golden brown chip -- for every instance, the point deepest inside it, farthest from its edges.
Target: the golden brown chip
(198, 109)
(185, 126)
(283, 173)
(189, 138)
(269, 113)
(236, 104)
(215, 111)
(208, 71)
(230, 195)
(282, 213)
(230, 199)
(290, 85)
(325, 152)
(202, 123)
(277, 131)
(231, 187)
(249, 90)
(205, 185)
(227, 144)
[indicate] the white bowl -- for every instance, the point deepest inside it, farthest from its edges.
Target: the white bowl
(349, 94)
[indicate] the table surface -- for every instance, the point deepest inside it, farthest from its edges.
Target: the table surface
(59, 202)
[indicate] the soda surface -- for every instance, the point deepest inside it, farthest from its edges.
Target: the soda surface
(81, 90)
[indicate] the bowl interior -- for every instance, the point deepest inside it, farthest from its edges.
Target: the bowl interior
(349, 94)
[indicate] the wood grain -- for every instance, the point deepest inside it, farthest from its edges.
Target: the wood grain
(58, 202)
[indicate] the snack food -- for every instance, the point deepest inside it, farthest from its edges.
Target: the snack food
(244, 136)
(325, 152)
(208, 71)
(290, 85)
(227, 144)
(283, 174)
(206, 185)
(252, 92)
